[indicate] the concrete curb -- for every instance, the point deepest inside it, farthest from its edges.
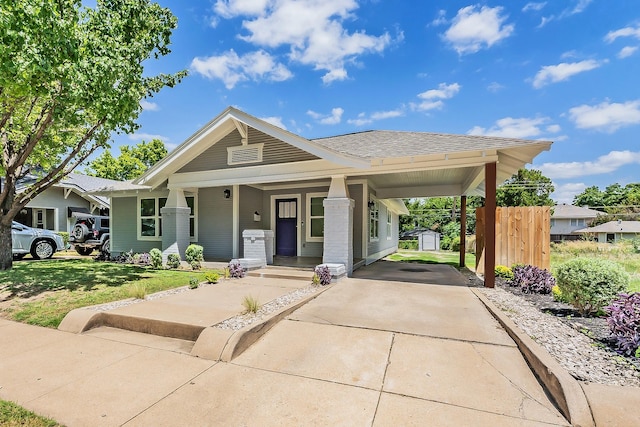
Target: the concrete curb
(563, 388)
(226, 345)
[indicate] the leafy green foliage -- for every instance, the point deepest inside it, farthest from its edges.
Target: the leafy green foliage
(156, 258)
(194, 255)
(193, 282)
(408, 244)
(435, 213)
(12, 414)
(527, 187)
(173, 261)
(557, 295)
(212, 276)
(617, 201)
(589, 284)
(251, 304)
(132, 162)
(70, 76)
(623, 318)
(504, 272)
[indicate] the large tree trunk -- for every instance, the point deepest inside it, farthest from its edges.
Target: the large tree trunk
(6, 255)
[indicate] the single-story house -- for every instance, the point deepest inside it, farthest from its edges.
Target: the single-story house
(338, 197)
(52, 208)
(566, 219)
(613, 231)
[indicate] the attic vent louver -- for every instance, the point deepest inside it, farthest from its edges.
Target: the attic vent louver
(244, 154)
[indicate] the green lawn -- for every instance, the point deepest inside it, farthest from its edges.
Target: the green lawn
(43, 292)
(12, 415)
(433, 257)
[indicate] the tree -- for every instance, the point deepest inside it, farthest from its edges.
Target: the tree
(527, 187)
(591, 196)
(70, 76)
(132, 162)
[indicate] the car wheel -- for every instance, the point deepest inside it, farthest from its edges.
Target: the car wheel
(84, 251)
(106, 247)
(42, 249)
(80, 232)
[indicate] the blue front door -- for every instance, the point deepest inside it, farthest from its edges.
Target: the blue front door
(286, 227)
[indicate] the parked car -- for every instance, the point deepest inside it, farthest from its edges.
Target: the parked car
(90, 232)
(41, 244)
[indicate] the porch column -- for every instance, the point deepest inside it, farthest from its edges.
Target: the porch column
(338, 225)
(490, 225)
(463, 230)
(175, 224)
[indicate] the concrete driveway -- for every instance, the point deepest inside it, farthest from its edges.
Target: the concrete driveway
(365, 352)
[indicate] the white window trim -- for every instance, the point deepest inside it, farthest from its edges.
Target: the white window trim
(158, 238)
(308, 237)
(389, 224)
(376, 207)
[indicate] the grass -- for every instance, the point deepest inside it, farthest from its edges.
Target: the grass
(251, 304)
(44, 292)
(432, 257)
(12, 415)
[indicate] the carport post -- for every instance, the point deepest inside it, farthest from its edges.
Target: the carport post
(490, 225)
(463, 230)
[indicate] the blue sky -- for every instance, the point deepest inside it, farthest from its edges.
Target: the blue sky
(562, 70)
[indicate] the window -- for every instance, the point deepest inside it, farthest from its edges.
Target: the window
(150, 223)
(315, 217)
(389, 224)
(374, 213)
(577, 222)
(553, 222)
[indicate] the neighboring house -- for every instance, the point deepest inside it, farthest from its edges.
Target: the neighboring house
(338, 198)
(566, 219)
(52, 208)
(613, 231)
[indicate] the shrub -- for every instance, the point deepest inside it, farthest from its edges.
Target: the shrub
(143, 259)
(455, 244)
(65, 238)
(173, 260)
(623, 318)
(408, 244)
(504, 272)
(194, 256)
(193, 282)
(557, 295)
(124, 258)
(212, 276)
(589, 284)
(156, 258)
(532, 279)
(322, 275)
(251, 304)
(235, 270)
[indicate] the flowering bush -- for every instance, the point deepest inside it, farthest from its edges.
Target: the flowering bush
(322, 275)
(623, 318)
(235, 270)
(532, 279)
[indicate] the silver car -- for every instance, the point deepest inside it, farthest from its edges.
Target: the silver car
(41, 244)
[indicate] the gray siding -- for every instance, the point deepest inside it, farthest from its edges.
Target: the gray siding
(250, 202)
(215, 223)
(274, 151)
(53, 198)
(123, 228)
(383, 244)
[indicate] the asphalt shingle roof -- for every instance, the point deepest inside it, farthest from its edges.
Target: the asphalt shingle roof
(570, 211)
(613, 227)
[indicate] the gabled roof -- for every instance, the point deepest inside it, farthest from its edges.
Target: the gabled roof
(570, 211)
(613, 227)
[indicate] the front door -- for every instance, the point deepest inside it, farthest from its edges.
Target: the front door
(286, 227)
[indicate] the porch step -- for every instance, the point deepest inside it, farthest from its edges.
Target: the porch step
(282, 273)
(145, 340)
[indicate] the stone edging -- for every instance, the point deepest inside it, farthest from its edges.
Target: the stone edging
(564, 389)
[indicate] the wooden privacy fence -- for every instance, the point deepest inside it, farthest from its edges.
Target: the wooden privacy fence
(523, 236)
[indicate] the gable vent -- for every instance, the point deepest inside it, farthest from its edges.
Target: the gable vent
(244, 154)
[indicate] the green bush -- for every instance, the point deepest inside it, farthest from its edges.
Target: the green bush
(455, 244)
(156, 258)
(194, 255)
(193, 282)
(212, 276)
(173, 260)
(504, 272)
(557, 295)
(590, 284)
(65, 238)
(408, 244)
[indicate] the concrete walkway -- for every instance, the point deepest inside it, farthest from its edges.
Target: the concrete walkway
(365, 352)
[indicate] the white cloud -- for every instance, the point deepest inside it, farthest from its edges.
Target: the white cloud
(432, 98)
(148, 105)
(580, 6)
(313, 31)
(441, 19)
(557, 73)
(534, 6)
(565, 193)
(276, 121)
(603, 164)
(476, 27)
(232, 69)
(509, 127)
(495, 87)
(627, 51)
(363, 119)
(606, 117)
(147, 137)
(332, 119)
(623, 32)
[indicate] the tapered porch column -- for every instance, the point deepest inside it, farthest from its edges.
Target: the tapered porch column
(338, 225)
(175, 224)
